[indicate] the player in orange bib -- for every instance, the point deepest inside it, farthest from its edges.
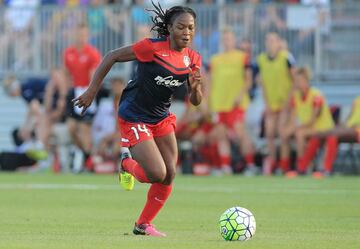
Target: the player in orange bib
(276, 68)
(311, 116)
(230, 77)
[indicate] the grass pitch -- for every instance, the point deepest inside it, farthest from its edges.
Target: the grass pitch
(92, 211)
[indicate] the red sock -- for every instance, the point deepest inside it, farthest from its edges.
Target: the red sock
(285, 164)
(249, 159)
(132, 167)
(156, 198)
(330, 153)
(224, 160)
(214, 156)
(310, 152)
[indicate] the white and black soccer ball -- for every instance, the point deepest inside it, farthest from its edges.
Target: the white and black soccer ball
(237, 224)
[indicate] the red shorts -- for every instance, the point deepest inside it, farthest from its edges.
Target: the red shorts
(206, 127)
(134, 133)
(231, 117)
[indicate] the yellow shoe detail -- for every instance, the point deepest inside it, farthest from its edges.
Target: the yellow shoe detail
(127, 181)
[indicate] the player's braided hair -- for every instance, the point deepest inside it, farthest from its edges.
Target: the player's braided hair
(163, 18)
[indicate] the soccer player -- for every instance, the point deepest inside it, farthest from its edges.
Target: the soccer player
(230, 75)
(276, 68)
(32, 90)
(146, 125)
(313, 115)
(350, 131)
(80, 61)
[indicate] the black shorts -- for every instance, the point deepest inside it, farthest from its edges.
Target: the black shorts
(72, 113)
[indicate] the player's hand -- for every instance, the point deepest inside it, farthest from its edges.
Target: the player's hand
(84, 100)
(195, 79)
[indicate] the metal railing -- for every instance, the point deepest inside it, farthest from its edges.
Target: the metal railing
(327, 39)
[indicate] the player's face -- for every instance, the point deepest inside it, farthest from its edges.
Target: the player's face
(272, 43)
(302, 83)
(82, 36)
(229, 41)
(182, 31)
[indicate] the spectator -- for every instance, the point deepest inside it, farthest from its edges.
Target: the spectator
(80, 61)
(229, 99)
(272, 20)
(96, 21)
(276, 70)
(16, 38)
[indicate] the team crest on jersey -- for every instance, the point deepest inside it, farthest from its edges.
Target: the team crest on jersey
(186, 61)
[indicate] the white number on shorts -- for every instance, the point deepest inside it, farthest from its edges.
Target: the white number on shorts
(140, 128)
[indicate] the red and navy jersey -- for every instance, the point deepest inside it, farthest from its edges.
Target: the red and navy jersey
(147, 97)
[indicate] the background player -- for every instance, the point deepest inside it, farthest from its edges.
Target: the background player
(146, 124)
(313, 114)
(230, 82)
(80, 61)
(350, 130)
(276, 68)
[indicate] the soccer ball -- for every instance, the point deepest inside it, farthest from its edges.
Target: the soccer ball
(237, 223)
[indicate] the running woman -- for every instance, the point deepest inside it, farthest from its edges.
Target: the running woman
(146, 125)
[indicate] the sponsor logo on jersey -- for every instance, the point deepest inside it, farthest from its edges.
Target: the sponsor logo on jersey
(168, 81)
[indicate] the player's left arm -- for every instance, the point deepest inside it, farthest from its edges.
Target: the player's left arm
(317, 106)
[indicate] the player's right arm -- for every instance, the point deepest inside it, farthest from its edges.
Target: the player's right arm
(142, 51)
(122, 54)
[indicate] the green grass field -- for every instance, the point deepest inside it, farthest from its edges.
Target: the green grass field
(92, 211)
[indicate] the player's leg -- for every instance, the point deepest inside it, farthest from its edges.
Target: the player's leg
(220, 134)
(286, 129)
(160, 191)
(149, 167)
(72, 125)
(285, 135)
(271, 120)
(85, 137)
(307, 147)
(146, 164)
(164, 137)
(331, 145)
(344, 134)
(247, 147)
(45, 130)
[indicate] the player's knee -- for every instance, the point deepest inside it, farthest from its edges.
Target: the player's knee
(270, 135)
(299, 134)
(170, 175)
(284, 136)
(157, 175)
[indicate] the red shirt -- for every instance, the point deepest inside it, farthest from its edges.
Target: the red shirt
(318, 101)
(81, 63)
(160, 71)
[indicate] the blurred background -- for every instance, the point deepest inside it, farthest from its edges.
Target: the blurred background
(322, 35)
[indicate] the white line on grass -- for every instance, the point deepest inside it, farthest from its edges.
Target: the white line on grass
(201, 189)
